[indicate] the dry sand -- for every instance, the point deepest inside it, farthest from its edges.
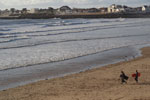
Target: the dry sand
(96, 84)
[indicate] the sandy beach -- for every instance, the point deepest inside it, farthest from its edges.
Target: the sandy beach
(97, 84)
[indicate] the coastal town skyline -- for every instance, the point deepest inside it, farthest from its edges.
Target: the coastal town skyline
(7, 4)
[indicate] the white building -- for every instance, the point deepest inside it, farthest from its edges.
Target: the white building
(146, 8)
(115, 8)
(33, 10)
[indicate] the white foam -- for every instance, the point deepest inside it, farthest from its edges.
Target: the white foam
(32, 43)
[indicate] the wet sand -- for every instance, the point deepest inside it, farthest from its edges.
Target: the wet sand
(96, 84)
(11, 78)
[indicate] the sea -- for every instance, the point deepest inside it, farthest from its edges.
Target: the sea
(25, 43)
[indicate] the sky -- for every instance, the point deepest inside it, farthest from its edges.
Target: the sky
(19, 4)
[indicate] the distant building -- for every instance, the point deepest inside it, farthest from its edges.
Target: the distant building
(5, 12)
(137, 9)
(34, 10)
(84, 11)
(79, 11)
(116, 8)
(93, 10)
(64, 10)
(43, 11)
(146, 8)
(103, 10)
(18, 12)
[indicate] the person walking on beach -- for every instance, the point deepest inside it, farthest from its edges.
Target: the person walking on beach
(123, 77)
(136, 76)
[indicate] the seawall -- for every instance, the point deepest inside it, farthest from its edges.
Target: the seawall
(71, 16)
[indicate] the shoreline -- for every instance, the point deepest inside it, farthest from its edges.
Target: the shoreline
(12, 78)
(98, 83)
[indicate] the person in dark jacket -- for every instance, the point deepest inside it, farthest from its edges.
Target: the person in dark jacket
(136, 76)
(123, 77)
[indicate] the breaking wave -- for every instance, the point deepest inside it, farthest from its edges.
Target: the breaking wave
(27, 42)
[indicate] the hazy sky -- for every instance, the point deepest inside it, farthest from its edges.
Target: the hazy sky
(72, 3)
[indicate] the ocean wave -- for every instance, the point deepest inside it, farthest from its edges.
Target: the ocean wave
(56, 31)
(29, 42)
(61, 41)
